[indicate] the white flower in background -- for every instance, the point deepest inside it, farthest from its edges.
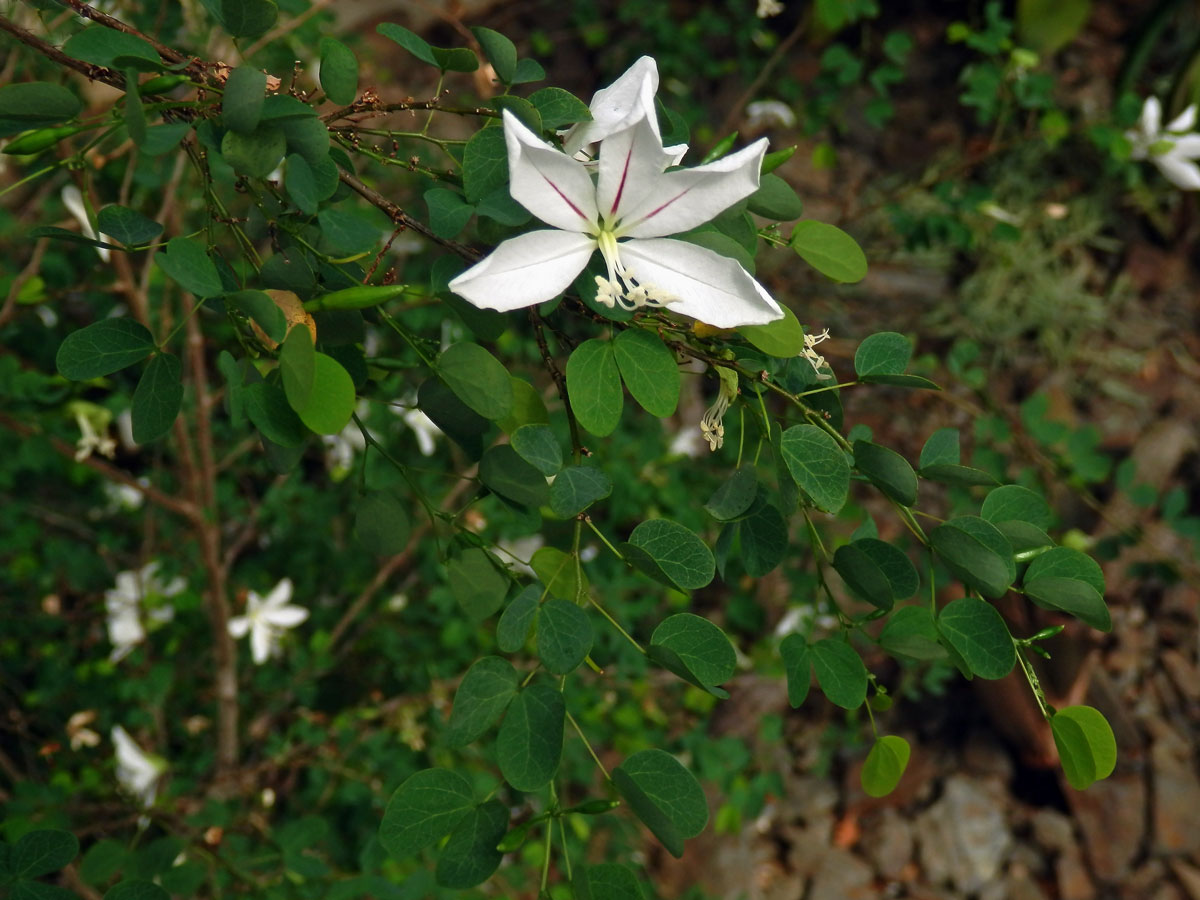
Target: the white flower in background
(341, 448)
(72, 199)
(266, 619)
(768, 8)
(422, 426)
(623, 103)
(1173, 149)
(711, 427)
(124, 497)
(815, 358)
(125, 602)
(93, 422)
(625, 215)
(765, 113)
(520, 551)
(138, 772)
(78, 731)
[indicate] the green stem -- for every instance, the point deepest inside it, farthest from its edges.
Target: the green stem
(588, 745)
(1031, 676)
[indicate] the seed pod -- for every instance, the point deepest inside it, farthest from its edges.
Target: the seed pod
(361, 297)
(32, 142)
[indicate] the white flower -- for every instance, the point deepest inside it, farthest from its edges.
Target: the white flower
(422, 426)
(266, 619)
(1173, 149)
(137, 771)
(93, 424)
(625, 215)
(124, 606)
(768, 8)
(765, 113)
(617, 107)
(816, 359)
(72, 199)
(341, 448)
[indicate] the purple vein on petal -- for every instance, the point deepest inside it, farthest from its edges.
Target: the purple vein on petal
(621, 186)
(567, 200)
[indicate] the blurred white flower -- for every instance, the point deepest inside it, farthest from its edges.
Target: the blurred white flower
(72, 199)
(768, 8)
(124, 605)
(765, 113)
(123, 497)
(1173, 149)
(93, 424)
(138, 772)
(266, 619)
(78, 731)
(520, 551)
(422, 426)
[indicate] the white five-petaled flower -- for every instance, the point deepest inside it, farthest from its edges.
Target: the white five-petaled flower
(124, 602)
(266, 619)
(1173, 149)
(625, 214)
(137, 771)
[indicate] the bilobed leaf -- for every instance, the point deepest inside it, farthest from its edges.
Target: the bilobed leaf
(1011, 502)
(41, 852)
(964, 476)
(829, 250)
(1086, 745)
(470, 855)
(306, 135)
(675, 551)
(382, 524)
(423, 810)
(1072, 596)
(887, 470)
(798, 666)
(594, 387)
(263, 310)
(297, 367)
(863, 575)
(415, 45)
(339, 71)
(267, 408)
(529, 746)
(783, 338)
(102, 861)
(513, 628)
(764, 539)
(455, 59)
(448, 212)
(114, 49)
(1024, 538)
(538, 446)
(558, 107)
(476, 583)
(884, 353)
(941, 448)
(477, 378)
(885, 765)
(157, 398)
(256, 153)
(840, 672)
(560, 573)
(976, 553)
(649, 370)
(32, 104)
(127, 225)
(700, 645)
(102, 348)
(482, 696)
(910, 631)
(606, 881)
(525, 112)
(576, 488)
(529, 70)
(331, 401)
(978, 634)
(308, 184)
(187, 263)
(485, 163)
(734, 496)
(500, 52)
(1065, 562)
(817, 465)
(504, 472)
(775, 199)
(564, 636)
(242, 105)
(1046, 26)
(664, 795)
(248, 18)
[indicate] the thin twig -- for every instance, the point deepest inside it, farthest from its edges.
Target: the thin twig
(401, 218)
(108, 21)
(94, 72)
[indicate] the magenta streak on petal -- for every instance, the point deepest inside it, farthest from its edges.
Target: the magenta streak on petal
(655, 212)
(621, 186)
(566, 199)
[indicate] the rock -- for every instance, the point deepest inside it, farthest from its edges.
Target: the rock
(842, 876)
(888, 842)
(1074, 883)
(1176, 795)
(1112, 819)
(1052, 830)
(963, 837)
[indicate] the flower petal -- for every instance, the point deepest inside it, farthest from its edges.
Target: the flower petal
(263, 639)
(1151, 118)
(280, 594)
(617, 106)
(525, 270)
(681, 200)
(547, 182)
(1180, 172)
(1186, 147)
(631, 163)
(1184, 121)
(238, 627)
(286, 616)
(712, 288)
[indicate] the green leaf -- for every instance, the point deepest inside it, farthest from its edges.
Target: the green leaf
(885, 765)
(423, 810)
(594, 387)
(522, 109)
(1046, 26)
(242, 105)
(564, 636)
(331, 402)
(649, 370)
(885, 353)
(764, 539)
(561, 574)
(513, 628)
(528, 407)
(381, 523)
(162, 139)
(339, 71)
(840, 672)
(783, 338)
(1011, 502)
(127, 225)
(248, 18)
(267, 408)
(978, 634)
(500, 52)
(537, 445)
(113, 49)
(134, 115)
(606, 881)
(576, 488)
(505, 473)
(700, 645)
(476, 583)
(793, 649)
(102, 861)
(672, 550)
(863, 574)
(722, 244)
(664, 795)
(186, 262)
(263, 310)
(298, 367)
(529, 747)
(962, 476)
(1078, 598)
(887, 470)
(942, 447)
(455, 59)
(41, 852)
(415, 45)
(482, 696)
(255, 154)
(157, 398)
(817, 465)
(102, 348)
(976, 553)
(307, 136)
(529, 70)
(558, 108)
(1086, 745)
(477, 378)
(1024, 538)
(775, 199)
(734, 496)
(485, 164)
(308, 185)
(1065, 562)
(448, 212)
(910, 631)
(32, 104)
(829, 250)
(470, 855)
(136, 889)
